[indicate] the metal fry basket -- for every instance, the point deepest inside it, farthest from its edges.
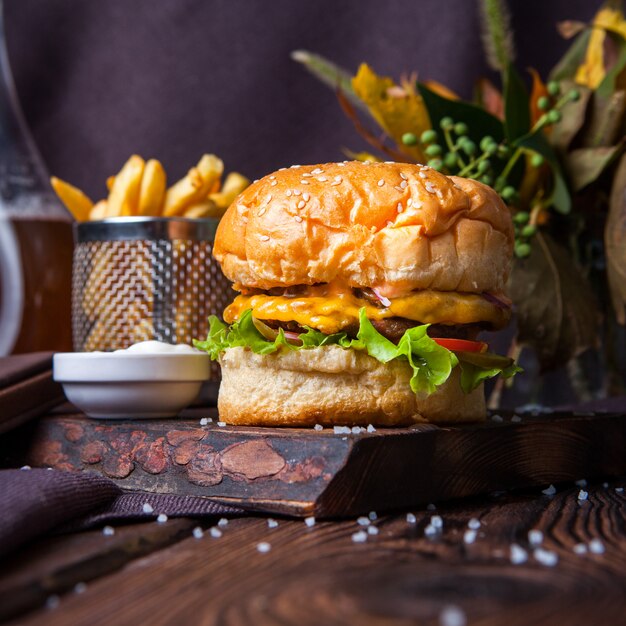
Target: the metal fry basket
(143, 278)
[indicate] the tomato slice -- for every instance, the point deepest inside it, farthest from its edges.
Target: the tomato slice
(462, 345)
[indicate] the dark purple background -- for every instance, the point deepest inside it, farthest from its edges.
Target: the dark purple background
(100, 79)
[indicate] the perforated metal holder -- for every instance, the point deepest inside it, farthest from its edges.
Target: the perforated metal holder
(144, 278)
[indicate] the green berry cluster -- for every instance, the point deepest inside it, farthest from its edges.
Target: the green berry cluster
(552, 104)
(523, 233)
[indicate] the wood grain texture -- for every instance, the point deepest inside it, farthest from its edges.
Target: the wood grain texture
(305, 472)
(56, 565)
(319, 575)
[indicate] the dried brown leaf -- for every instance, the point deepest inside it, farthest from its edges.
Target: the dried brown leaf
(615, 242)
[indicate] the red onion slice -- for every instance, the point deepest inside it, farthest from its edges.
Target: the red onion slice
(386, 302)
(499, 302)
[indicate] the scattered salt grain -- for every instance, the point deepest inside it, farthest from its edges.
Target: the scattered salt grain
(197, 532)
(619, 489)
(596, 546)
(108, 531)
(581, 483)
(497, 418)
(430, 530)
(372, 515)
(204, 421)
(263, 547)
(359, 537)
(318, 427)
(215, 532)
(605, 485)
(80, 588)
(147, 508)
(372, 530)
(516, 418)
(223, 522)
(518, 555)
(546, 557)
(370, 428)
(341, 430)
(356, 430)
(580, 548)
(452, 616)
(363, 521)
(52, 602)
(221, 424)
(474, 524)
(582, 495)
(469, 536)
(309, 521)
(410, 518)
(272, 523)
(549, 491)
(25, 468)
(436, 521)
(431, 507)
(162, 518)
(535, 537)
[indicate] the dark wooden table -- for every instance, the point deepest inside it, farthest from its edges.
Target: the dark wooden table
(161, 574)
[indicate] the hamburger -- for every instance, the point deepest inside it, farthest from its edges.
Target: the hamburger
(362, 288)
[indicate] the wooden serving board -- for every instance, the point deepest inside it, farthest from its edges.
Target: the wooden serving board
(303, 472)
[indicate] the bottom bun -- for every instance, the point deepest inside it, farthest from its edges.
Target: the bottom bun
(334, 386)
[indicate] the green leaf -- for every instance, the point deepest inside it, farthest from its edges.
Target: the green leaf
(556, 309)
(472, 375)
(479, 122)
(537, 142)
(330, 74)
(497, 34)
(516, 105)
(583, 166)
(567, 67)
(614, 238)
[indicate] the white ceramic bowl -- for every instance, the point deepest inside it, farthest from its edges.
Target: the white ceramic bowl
(120, 385)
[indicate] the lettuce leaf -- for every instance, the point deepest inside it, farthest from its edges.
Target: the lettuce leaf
(431, 363)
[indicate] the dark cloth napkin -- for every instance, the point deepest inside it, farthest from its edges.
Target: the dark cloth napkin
(38, 501)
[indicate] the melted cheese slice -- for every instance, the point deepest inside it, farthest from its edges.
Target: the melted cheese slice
(336, 307)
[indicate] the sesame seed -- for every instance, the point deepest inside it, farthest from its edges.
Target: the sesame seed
(518, 555)
(469, 536)
(263, 547)
(549, 491)
(403, 176)
(262, 211)
(215, 532)
(305, 182)
(305, 197)
(372, 530)
(307, 175)
(317, 170)
(474, 524)
(410, 518)
(409, 202)
(262, 238)
(596, 546)
(535, 537)
(274, 183)
(293, 167)
(399, 208)
(429, 187)
(363, 521)
(546, 557)
(404, 184)
(272, 523)
(288, 193)
(297, 218)
(582, 495)
(318, 427)
(452, 616)
(301, 204)
(244, 220)
(342, 164)
(223, 522)
(147, 508)
(309, 521)
(197, 532)
(161, 518)
(381, 182)
(256, 180)
(108, 531)
(580, 548)
(422, 174)
(359, 536)
(268, 199)
(272, 177)
(322, 179)
(297, 192)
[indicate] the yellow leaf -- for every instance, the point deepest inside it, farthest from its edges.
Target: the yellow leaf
(361, 156)
(592, 71)
(441, 90)
(397, 110)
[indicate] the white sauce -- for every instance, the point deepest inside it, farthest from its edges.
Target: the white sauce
(157, 347)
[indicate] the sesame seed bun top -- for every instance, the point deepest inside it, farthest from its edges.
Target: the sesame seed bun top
(394, 227)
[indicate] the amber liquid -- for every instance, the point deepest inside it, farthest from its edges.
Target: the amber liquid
(46, 248)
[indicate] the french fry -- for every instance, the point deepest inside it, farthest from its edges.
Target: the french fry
(98, 211)
(152, 190)
(194, 187)
(124, 196)
(234, 184)
(77, 203)
(208, 208)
